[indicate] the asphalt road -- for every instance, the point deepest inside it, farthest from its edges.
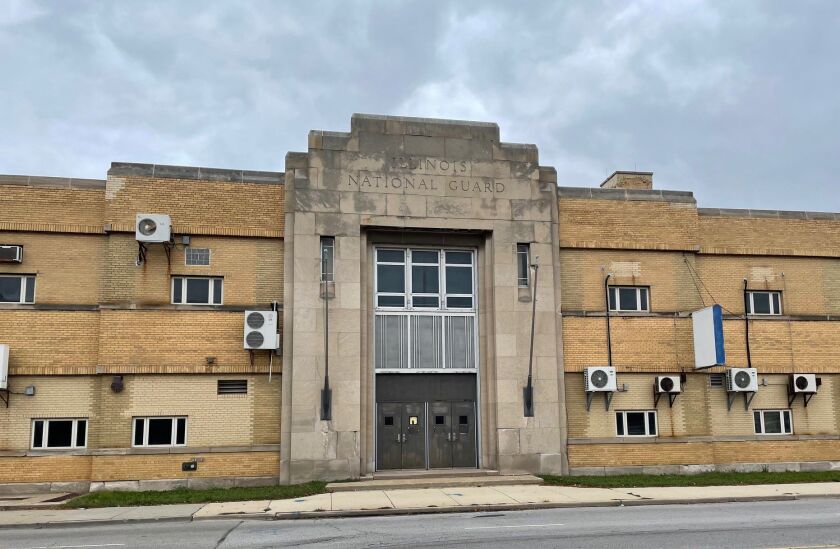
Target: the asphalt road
(806, 523)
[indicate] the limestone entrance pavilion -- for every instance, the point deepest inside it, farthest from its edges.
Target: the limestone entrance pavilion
(429, 325)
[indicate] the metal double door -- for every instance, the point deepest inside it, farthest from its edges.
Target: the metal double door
(421, 435)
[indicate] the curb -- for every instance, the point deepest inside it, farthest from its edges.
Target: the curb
(427, 510)
(105, 522)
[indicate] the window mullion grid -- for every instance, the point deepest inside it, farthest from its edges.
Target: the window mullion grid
(73, 424)
(173, 425)
(46, 435)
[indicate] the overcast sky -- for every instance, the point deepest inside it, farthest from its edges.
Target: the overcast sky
(736, 101)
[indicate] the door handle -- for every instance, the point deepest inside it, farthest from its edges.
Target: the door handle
(398, 437)
(403, 437)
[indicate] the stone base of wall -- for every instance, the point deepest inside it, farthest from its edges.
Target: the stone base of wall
(773, 467)
(135, 485)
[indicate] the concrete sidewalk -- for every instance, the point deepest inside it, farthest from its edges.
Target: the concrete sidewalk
(427, 500)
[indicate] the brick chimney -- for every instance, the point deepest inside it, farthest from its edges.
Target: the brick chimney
(629, 180)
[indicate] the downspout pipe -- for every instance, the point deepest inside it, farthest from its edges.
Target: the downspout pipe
(747, 323)
(607, 303)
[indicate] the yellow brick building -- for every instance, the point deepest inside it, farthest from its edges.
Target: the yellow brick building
(396, 256)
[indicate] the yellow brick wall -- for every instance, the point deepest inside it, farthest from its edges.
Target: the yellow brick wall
(42, 209)
(590, 223)
(252, 269)
(163, 466)
(197, 207)
(690, 453)
(66, 468)
(809, 286)
(701, 410)
(666, 344)
(50, 342)
(68, 267)
(582, 274)
(769, 236)
(213, 420)
(176, 341)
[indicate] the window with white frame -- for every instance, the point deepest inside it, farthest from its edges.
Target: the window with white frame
(629, 299)
(523, 261)
(197, 257)
(59, 434)
(17, 289)
(327, 259)
(773, 422)
(764, 303)
(159, 431)
(459, 280)
(197, 290)
(413, 279)
(640, 423)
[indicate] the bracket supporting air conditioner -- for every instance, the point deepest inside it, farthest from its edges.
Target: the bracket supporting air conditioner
(806, 398)
(608, 395)
(747, 399)
(4, 396)
(167, 247)
(141, 254)
(657, 395)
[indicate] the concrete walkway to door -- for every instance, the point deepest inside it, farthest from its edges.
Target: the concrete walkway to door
(425, 500)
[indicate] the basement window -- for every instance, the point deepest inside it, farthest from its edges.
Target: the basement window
(17, 289)
(764, 303)
(232, 387)
(636, 423)
(194, 290)
(159, 431)
(633, 299)
(59, 434)
(773, 422)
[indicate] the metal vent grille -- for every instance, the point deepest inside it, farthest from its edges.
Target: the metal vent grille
(424, 341)
(232, 387)
(425, 345)
(716, 380)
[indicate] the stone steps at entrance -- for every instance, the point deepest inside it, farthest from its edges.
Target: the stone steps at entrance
(433, 482)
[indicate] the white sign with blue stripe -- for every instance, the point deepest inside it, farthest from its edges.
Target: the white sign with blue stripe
(708, 337)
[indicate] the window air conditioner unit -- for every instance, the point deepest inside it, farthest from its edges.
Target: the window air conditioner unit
(668, 384)
(261, 330)
(599, 379)
(804, 383)
(4, 366)
(11, 254)
(742, 380)
(153, 228)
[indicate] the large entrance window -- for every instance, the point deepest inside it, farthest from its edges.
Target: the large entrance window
(425, 309)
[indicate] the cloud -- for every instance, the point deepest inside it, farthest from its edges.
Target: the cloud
(736, 102)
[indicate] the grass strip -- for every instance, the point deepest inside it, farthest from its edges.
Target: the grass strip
(184, 495)
(700, 479)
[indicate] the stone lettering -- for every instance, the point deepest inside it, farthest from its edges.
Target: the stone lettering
(426, 176)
